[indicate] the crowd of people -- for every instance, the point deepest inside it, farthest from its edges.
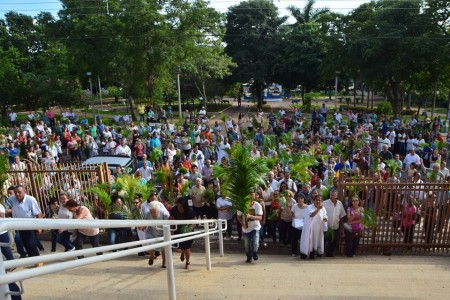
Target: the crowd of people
(295, 209)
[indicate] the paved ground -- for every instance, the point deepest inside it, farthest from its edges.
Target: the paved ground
(272, 277)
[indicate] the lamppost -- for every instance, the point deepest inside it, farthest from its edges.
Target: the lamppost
(100, 92)
(89, 75)
(179, 95)
(336, 88)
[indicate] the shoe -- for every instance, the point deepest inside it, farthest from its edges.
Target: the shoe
(150, 261)
(23, 256)
(70, 250)
(53, 250)
(249, 260)
(182, 256)
(157, 253)
(188, 264)
(311, 255)
(39, 265)
(41, 248)
(163, 266)
(255, 256)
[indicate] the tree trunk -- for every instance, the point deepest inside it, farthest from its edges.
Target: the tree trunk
(395, 86)
(368, 96)
(259, 88)
(362, 93)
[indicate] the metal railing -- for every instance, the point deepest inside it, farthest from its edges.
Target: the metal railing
(210, 227)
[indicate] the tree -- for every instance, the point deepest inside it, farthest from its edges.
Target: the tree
(252, 40)
(303, 48)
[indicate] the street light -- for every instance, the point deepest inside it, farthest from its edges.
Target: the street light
(89, 75)
(336, 88)
(179, 95)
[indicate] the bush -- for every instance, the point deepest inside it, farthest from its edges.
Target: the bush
(384, 107)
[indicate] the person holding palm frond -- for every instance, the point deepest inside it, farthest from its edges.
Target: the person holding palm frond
(250, 228)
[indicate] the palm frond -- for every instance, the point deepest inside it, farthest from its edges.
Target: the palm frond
(369, 218)
(185, 188)
(242, 176)
(102, 194)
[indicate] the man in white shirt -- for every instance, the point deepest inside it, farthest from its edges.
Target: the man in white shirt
(335, 212)
(146, 171)
(26, 206)
(273, 183)
(250, 228)
(123, 148)
(383, 141)
(412, 157)
(338, 117)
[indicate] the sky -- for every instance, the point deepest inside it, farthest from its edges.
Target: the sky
(34, 7)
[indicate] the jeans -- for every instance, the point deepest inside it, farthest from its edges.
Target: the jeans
(332, 244)
(64, 239)
(251, 242)
(30, 242)
(113, 232)
(6, 250)
(19, 244)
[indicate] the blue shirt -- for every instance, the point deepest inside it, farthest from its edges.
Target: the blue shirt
(27, 208)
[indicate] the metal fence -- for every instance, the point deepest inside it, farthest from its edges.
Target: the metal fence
(45, 182)
(430, 233)
(209, 227)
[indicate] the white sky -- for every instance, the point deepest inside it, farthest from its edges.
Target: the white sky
(33, 7)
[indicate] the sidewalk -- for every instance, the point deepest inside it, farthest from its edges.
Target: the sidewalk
(272, 277)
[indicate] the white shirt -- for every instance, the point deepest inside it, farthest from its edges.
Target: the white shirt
(275, 185)
(224, 214)
(252, 225)
(411, 159)
(146, 172)
(334, 212)
(123, 150)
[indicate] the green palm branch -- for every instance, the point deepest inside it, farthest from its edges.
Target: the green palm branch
(240, 179)
(128, 187)
(369, 218)
(393, 165)
(103, 193)
(269, 142)
(185, 188)
(440, 145)
(299, 168)
(286, 139)
(155, 155)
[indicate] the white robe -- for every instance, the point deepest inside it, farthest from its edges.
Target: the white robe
(313, 232)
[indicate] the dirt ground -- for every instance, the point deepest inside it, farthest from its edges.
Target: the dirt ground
(271, 277)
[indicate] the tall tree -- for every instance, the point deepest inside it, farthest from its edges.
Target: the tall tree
(253, 41)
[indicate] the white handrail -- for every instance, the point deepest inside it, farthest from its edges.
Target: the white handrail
(167, 241)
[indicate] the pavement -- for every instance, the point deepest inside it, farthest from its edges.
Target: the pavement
(271, 277)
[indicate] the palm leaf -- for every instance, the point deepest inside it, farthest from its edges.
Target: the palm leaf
(240, 179)
(440, 144)
(185, 188)
(329, 234)
(369, 218)
(102, 194)
(393, 165)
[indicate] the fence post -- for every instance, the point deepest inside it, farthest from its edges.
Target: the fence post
(34, 190)
(219, 226)
(169, 263)
(4, 288)
(207, 246)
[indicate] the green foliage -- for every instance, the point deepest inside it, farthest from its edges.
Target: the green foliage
(269, 143)
(384, 107)
(329, 234)
(299, 166)
(103, 192)
(128, 186)
(440, 144)
(4, 167)
(241, 178)
(155, 155)
(369, 218)
(393, 166)
(185, 188)
(210, 195)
